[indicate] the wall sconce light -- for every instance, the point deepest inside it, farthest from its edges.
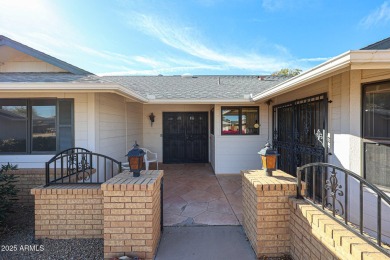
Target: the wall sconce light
(256, 125)
(151, 117)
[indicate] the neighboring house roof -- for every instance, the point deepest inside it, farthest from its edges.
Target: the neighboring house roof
(172, 88)
(381, 45)
(11, 115)
(38, 77)
(42, 56)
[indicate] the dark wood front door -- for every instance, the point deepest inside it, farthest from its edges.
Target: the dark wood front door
(185, 137)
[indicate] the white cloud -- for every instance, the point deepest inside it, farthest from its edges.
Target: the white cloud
(273, 5)
(277, 5)
(166, 70)
(150, 62)
(188, 40)
(40, 25)
(377, 16)
(313, 59)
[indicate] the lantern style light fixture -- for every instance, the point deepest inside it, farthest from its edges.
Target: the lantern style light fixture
(256, 125)
(151, 118)
(268, 159)
(136, 159)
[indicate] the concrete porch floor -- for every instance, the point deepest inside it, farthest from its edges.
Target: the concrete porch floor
(195, 196)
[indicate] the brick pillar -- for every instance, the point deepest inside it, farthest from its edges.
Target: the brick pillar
(132, 215)
(267, 212)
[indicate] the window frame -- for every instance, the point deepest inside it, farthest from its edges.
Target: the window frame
(240, 108)
(29, 104)
(364, 137)
(212, 121)
(370, 139)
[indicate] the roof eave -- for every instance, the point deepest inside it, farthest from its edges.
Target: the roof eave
(360, 59)
(199, 101)
(42, 56)
(72, 86)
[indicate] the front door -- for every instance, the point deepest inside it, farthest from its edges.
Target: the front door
(300, 135)
(185, 137)
(300, 131)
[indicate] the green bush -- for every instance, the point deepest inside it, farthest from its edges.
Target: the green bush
(8, 190)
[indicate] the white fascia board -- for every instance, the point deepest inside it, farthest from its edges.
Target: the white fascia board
(329, 66)
(198, 101)
(361, 59)
(55, 87)
(379, 59)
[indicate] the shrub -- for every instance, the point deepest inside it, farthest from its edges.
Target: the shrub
(8, 190)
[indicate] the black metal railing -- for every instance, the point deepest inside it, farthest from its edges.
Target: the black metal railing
(335, 200)
(81, 166)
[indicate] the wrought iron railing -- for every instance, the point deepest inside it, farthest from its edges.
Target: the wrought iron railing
(80, 166)
(334, 199)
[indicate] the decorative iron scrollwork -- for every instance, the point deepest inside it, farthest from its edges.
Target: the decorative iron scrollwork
(320, 136)
(78, 164)
(333, 186)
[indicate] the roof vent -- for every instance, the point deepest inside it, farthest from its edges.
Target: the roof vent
(150, 96)
(186, 75)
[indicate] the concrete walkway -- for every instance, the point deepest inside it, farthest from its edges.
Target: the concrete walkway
(195, 196)
(206, 243)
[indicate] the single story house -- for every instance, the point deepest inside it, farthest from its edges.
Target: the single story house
(336, 112)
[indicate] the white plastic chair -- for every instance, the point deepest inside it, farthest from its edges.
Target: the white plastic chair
(149, 157)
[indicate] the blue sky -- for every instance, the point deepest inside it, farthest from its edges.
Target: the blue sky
(200, 37)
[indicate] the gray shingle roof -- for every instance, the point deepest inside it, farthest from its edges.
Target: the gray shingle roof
(381, 45)
(38, 77)
(196, 87)
(163, 87)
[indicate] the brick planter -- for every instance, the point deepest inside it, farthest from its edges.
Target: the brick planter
(267, 211)
(68, 211)
(132, 215)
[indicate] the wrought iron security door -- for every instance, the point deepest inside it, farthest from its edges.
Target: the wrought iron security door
(185, 137)
(300, 131)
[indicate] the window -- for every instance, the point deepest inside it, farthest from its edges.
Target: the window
(240, 120)
(376, 133)
(35, 125)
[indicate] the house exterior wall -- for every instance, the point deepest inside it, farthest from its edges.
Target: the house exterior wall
(15, 61)
(344, 113)
(152, 135)
(239, 152)
(344, 130)
(81, 128)
(111, 125)
(134, 115)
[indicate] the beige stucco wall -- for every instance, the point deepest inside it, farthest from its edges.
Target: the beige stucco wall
(12, 60)
(82, 128)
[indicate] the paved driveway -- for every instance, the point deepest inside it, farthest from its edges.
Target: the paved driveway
(195, 196)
